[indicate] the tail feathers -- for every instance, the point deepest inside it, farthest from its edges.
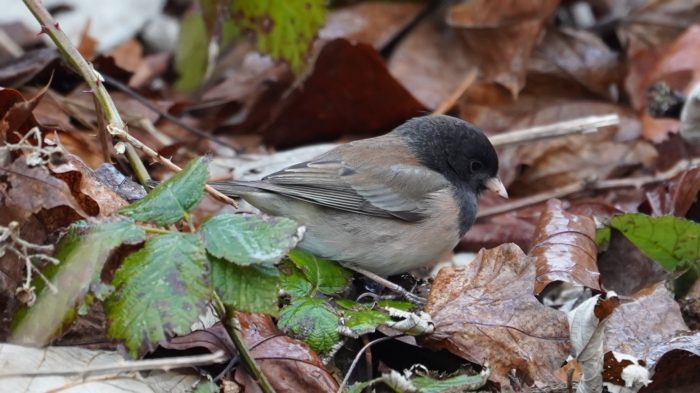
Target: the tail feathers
(234, 188)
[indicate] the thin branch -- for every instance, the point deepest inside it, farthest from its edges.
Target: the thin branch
(131, 141)
(227, 315)
(91, 77)
(357, 359)
(126, 366)
(451, 100)
(582, 125)
(569, 189)
(390, 285)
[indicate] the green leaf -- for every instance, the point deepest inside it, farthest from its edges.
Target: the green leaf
(294, 283)
(365, 321)
(602, 238)
(284, 29)
(172, 199)
(671, 241)
(459, 383)
(246, 288)
(323, 274)
(82, 252)
(311, 320)
(250, 239)
(192, 53)
(160, 291)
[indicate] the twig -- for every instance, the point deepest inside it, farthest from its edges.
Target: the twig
(148, 104)
(577, 126)
(394, 287)
(90, 76)
(126, 137)
(634, 182)
(357, 359)
(124, 366)
(450, 101)
(227, 315)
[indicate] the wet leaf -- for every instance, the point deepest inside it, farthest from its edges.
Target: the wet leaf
(248, 239)
(160, 291)
(246, 288)
(82, 252)
(486, 312)
(172, 199)
(326, 276)
(564, 248)
(675, 363)
(670, 241)
(312, 321)
(288, 363)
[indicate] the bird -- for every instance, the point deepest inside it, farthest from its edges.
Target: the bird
(387, 204)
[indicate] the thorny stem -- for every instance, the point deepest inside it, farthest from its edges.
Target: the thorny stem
(228, 317)
(89, 75)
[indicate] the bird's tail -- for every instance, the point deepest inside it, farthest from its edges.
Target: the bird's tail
(230, 188)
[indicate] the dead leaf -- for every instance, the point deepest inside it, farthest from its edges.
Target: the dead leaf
(675, 363)
(653, 317)
(677, 195)
(17, 117)
(580, 56)
(625, 269)
(23, 69)
(486, 312)
(290, 365)
(374, 23)
(324, 106)
(564, 249)
(430, 62)
(30, 190)
(94, 197)
(499, 36)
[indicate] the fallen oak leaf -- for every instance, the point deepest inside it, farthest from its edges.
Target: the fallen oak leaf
(486, 311)
(564, 248)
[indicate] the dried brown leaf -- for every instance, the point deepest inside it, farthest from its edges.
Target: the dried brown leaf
(652, 318)
(676, 363)
(677, 195)
(499, 36)
(486, 312)
(564, 248)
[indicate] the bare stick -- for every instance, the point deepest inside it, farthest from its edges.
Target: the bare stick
(577, 126)
(634, 182)
(90, 76)
(451, 100)
(357, 359)
(125, 366)
(126, 137)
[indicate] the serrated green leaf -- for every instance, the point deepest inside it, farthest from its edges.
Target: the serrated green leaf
(250, 239)
(284, 29)
(671, 241)
(160, 291)
(192, 53)
(246, 288)
(294, 283)
(172, 199)
(312, 321)
(82, 252)
(365, 321)
(323, 274)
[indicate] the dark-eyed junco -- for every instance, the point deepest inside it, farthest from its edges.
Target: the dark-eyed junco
(387, 204)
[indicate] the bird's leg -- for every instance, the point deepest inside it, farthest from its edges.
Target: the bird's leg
(394, 287)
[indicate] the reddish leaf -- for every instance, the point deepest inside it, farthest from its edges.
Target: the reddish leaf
(349, 91)
(486, 312)
(653, 317)
(16, 113)
(289, 364)
(564, 249)
(499, 36)
(676, 363)
(677, 195)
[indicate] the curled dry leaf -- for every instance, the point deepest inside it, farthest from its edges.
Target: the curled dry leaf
(499, 36)
(653, 317)
(486, 312)
(289, 364)
(17, 116)
(675, 196)
(564, 249)
(93, 196)
(319, 107)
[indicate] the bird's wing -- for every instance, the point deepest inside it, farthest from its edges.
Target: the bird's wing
(386, 190)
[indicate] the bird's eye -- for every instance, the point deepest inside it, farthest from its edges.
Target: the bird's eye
(475, 166)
